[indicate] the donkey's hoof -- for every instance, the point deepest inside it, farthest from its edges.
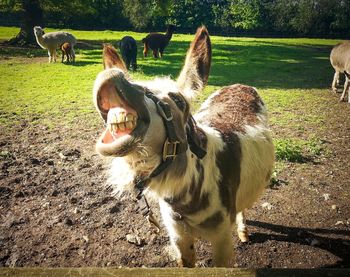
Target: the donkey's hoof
(243, 236)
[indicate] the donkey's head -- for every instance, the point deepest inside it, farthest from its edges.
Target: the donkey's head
(149, 117)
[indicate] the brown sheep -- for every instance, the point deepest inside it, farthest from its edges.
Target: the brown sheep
(157, 42)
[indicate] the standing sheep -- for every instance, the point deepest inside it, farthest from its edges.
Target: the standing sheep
(52, 41)
(128, 49)
(340, 60)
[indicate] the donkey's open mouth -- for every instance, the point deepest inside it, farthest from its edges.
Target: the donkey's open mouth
(121, 105)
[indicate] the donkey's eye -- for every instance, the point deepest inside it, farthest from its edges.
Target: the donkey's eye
(179, 100)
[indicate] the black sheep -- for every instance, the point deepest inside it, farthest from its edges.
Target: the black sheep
(128, 50)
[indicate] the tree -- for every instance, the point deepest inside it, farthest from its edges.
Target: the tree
(32, 16)
(244, 14)
(142, 12)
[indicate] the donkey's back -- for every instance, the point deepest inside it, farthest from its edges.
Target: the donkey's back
(239, 115)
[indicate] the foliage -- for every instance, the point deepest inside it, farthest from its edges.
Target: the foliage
(50, 94)
(288, 150)
(303, 17)
(243, 14)
(297, 150)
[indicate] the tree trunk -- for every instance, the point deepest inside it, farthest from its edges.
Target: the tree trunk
(32, 16)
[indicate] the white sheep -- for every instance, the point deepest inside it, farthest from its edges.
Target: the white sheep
(52, 41)
(340, 60)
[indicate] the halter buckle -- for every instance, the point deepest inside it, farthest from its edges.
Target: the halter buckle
(169, 149)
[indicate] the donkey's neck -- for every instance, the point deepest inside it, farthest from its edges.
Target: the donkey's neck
(174, 180)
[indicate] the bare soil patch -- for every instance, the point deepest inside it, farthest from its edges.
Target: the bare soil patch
(57, 212)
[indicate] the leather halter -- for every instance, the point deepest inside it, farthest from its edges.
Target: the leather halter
(171, 148)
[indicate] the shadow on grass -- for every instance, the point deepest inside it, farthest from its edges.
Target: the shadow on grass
(81, 63)
(257, 63)
(305, 236)
(262, 66)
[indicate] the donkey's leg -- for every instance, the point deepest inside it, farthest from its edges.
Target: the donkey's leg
(335, 81)
(223, 249)
(180, 237)
(182, 241)
(241, 227)
(346, 84)
(184, 247)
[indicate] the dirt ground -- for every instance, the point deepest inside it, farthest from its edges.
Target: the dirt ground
(57, 212)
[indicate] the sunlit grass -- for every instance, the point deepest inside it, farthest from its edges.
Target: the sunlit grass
(291, 75)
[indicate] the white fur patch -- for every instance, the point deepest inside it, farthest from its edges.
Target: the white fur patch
(159, 85)
(257, 158)
(121, 176)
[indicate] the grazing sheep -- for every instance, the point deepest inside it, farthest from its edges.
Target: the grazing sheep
(157, 42)
(52, 41)
(66, 49)
(340, 60)
(128, 49)
(205, 169)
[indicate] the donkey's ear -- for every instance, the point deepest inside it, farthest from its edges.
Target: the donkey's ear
(111, 58)
(195, 73)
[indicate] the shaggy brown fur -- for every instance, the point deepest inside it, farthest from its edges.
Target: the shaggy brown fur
(67, 51)
(157, 42)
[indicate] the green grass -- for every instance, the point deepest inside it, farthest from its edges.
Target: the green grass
(292, 76)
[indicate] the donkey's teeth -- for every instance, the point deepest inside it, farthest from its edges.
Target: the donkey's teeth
(121, 126)
(121, 117)
(129, 124)
(129, 117)
(119, 120)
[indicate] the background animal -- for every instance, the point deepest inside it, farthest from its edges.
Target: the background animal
(340, 60)
(52, 41)
(204, 170)
(128, 50)
(157, 42)
(66, 49)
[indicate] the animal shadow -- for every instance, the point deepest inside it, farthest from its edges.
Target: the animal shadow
(339, 246)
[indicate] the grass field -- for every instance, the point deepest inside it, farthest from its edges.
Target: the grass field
(59, 213)
(290, 74)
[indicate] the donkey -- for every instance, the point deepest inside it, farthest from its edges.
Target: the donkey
(205, 169)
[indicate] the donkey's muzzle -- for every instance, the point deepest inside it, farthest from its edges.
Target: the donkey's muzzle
(122, 106)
